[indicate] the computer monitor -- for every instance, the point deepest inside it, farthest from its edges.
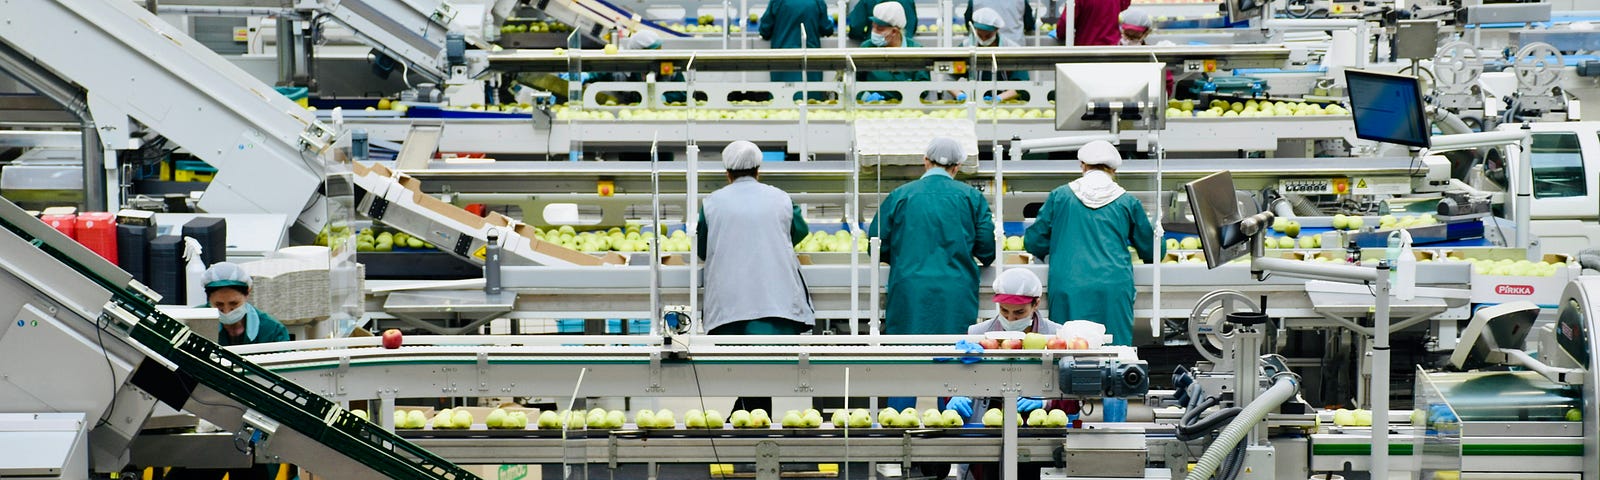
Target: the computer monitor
(1388, 108)
(1216, 218)
(1239, 10)
(1086, 93)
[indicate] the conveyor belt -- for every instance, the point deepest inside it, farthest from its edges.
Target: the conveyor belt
(1029, 58)
(208, 364)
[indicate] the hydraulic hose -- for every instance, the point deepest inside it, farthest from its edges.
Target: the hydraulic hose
(1284, 386)
(1589, 258)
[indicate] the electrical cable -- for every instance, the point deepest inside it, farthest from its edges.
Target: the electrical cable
(700, 395)
(99, 335)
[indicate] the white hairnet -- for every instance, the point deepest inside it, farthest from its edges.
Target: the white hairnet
(1100, 152)
(1137, 18)
(946, 151)
(890, 13)
(741, 155)
(988, 19)
(225, 274)
(1018, 281)
(644, 40)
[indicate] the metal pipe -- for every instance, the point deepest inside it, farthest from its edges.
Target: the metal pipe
(210, 11)
(1069, 11)
(655, 246)
(1522, 191)
(1379, 390)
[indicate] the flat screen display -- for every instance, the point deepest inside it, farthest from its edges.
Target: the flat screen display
(1388, 108)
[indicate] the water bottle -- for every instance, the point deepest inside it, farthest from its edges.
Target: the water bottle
(1392, 255)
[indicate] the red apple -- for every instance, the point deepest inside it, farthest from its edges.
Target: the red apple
(989, 344)
(1012, 344)
(391, 339)
(1056, 343)
(1078, 344)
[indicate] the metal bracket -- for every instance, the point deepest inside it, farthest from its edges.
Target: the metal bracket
(767, 467)
(1050, 372)
(378, 208)
(803, 382)
(905, 452)
(450, 386)
(611, 451)
(338, 376)
(655, 373)
(483, 371)
(317, 137)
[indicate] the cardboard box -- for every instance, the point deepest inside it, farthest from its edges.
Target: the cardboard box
(528, 244)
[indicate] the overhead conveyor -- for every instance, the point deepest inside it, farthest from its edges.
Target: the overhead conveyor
(594, 17)
(68, 308)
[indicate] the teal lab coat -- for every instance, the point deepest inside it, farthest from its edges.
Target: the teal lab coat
(931, 230)
(860, 19)
(781, 25)
(890, 75)
(1091, 273)
(270, 330)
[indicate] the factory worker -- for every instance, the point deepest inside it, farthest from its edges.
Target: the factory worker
(1136, 25)
(747, 234)
(987, 31)
(888, 31)
(1094, 22)
(1084, 231)
(1016, 296)
(859, 25)
(228, 290)
(782, 23)
(646, 40)
(1016, 18)
(931, 231)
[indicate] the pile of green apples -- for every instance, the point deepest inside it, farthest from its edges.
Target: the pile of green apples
(1251, 108)
(810, 418)
(618, 239)
(757, 418)
(1186, 243)
(1391, 222)
(931, 418)
(501, 419)
(839, 241)
(1056, 418)
(784, 113)
(1352, 418)
(1350, 222)
(1014, 244)
(535, 27)
(858, 418)
(410, 420)
(448, 419)
(1510, 268)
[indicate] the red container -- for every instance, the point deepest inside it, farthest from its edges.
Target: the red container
(66, 224)
(98, 232)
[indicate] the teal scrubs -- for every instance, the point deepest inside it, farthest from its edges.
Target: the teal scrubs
(1091, 273)
(892, 76)
(267, 329)
(781, 25)
(860, 19)
(931, 230)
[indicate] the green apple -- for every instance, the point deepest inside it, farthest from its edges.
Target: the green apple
(1574, 415)
(1279, 224)
(1364, 418)
(1058, 418)
(932, 418)
(596, 418)
(1341, 221)
(645, 419)
(665, 419)
(1190, 243)
(1356, 223)
(1037, 418)
(694, 419)
(1293, 229)
(740, 419)
(888, 417)
(521, 419)
(840, 418)
(549, 419)
(1035, 341)
(442, 420)
(713, 419)
(1344, 418)
(415, 419)
(791, 419)
(575, 420)
(615, 419)
(1173, 244)
(400, 419)
(859, 418)
(760, 419)
(952, 419)
(811, 419)
(496, 419)
(359, 413)
(993, 418)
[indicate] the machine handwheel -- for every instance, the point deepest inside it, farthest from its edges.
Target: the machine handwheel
(1209, 331)
(1538, 67)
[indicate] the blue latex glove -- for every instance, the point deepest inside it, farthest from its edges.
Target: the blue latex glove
(973, 351)
(1025, 404)
(1052, 34)
(872, 97)
(961, 97)
(962, 405)
(988, 98)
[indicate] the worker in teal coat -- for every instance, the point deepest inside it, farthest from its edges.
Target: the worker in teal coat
(859, 22)
(782, 22)
(888, 31)
(240, 323)
(931, 231)
(1084, 230)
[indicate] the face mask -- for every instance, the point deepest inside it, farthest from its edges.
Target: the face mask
(990, 42)
(1126, 42)
(880, 39)
(1018, 325)
(233, 316)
